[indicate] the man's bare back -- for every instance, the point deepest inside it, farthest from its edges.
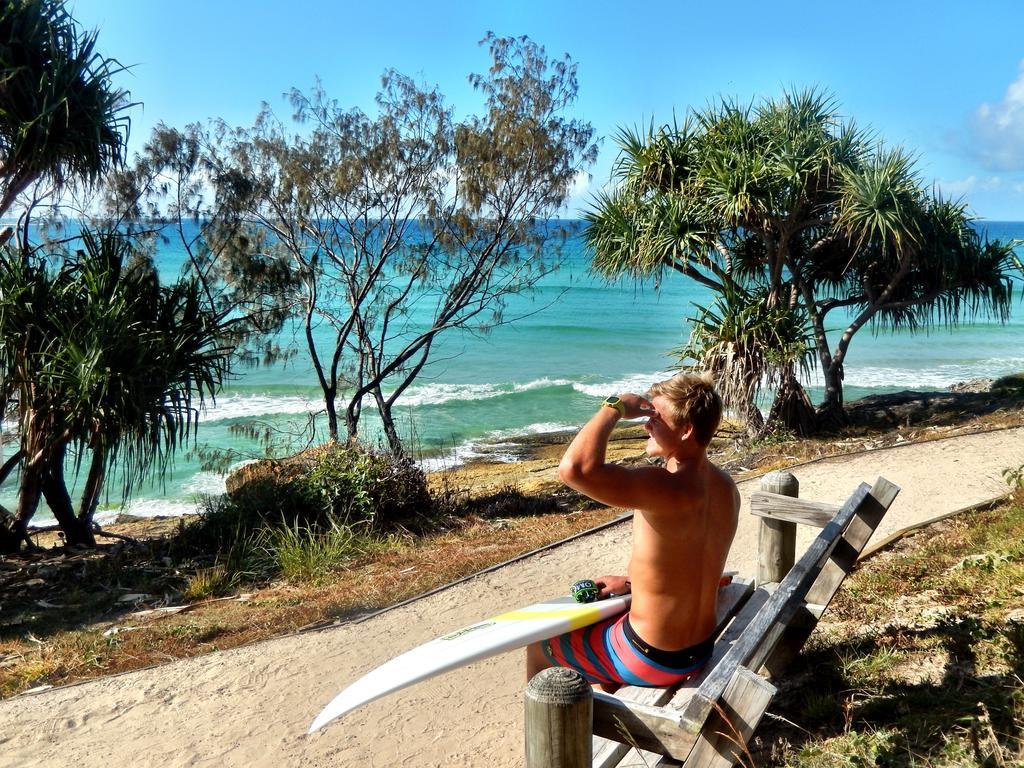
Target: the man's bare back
(678, 558)
(686, 514)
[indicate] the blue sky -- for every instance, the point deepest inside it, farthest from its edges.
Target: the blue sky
(943, 78)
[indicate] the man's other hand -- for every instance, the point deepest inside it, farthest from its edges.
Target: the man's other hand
(612, 585)
(636, 406)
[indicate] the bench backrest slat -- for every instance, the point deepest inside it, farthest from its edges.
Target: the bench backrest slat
(731, 598)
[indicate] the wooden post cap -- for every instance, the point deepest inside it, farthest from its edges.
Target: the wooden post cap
(784, 483)
(559, 687)
(776, 539)
(559, 720)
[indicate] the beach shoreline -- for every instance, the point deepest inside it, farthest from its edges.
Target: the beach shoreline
(531, 465)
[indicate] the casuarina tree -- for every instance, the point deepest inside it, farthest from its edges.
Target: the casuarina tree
(378, 233)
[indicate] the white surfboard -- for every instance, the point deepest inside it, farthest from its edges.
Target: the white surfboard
(504, 632)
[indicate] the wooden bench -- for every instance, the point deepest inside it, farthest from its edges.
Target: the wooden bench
(708, 721)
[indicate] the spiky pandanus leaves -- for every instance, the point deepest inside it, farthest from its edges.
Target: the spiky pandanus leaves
(97, 358)
(749, 346)
(956, 274)
(667, 231)
(60, 115)
(138, 359)
(880, 204)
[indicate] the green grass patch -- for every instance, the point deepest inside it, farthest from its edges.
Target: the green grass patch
(307, 555)
(207, 583)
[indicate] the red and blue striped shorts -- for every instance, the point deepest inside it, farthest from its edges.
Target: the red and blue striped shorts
(611, 652)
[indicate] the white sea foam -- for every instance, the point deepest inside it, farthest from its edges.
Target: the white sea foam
(432, 394)
(251, 406)
(933, 377)
(138, 508)
(206, 483)
(636, 382)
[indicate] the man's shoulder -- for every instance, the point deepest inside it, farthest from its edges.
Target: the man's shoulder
(724, 486)
(721, 475)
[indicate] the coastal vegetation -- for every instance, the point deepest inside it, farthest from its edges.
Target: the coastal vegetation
(921, 659)
(63, 121)
(807, 228)
(99, 363)
(387, 231)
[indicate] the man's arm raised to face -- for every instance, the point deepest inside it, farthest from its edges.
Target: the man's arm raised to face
(583, 467)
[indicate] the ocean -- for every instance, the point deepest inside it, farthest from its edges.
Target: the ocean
(582, 339)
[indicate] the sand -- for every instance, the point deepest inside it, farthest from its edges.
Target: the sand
(251, 706)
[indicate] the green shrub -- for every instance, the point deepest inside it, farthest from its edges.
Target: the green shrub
(1014, 476)
(341, 496)
(355, 486)
(1009, 386)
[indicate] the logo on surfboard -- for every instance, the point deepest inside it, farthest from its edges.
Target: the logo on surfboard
(467, 630)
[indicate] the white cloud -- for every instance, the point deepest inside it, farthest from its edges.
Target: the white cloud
(954, 188)
(998, 129)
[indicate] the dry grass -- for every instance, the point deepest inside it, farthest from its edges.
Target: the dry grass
(920, 659)
(93, 634)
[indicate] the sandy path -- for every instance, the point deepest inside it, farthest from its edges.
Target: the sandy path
(251, 706)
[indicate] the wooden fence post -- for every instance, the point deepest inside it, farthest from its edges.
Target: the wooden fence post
(559, 720)
(776, 542)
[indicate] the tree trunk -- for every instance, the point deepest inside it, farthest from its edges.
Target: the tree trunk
(332, 417)
(13, 532)
(10, 464)
(93, 486)
(754, 420)
(77, 532)
(792, 408)
(29, 493)
(833, 385)
(831, 413)
(351, 424)
(387, 419)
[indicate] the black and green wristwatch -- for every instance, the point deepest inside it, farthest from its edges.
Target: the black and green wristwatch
(617, 404)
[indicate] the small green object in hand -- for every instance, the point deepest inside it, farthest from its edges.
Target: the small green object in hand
(584, 591)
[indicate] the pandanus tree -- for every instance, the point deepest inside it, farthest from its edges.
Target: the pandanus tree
(103, 369)
(787, 205)
(61, 119)
(748, 345)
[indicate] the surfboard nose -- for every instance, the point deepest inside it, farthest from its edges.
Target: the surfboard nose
(320, 721)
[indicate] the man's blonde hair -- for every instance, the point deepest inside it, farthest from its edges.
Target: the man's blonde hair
(692, 400)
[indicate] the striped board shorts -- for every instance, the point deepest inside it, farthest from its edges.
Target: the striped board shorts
(611, 652)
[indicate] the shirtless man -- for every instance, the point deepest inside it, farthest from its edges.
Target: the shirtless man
(685, 522)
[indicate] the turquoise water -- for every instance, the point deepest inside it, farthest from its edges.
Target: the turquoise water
(585, 339)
